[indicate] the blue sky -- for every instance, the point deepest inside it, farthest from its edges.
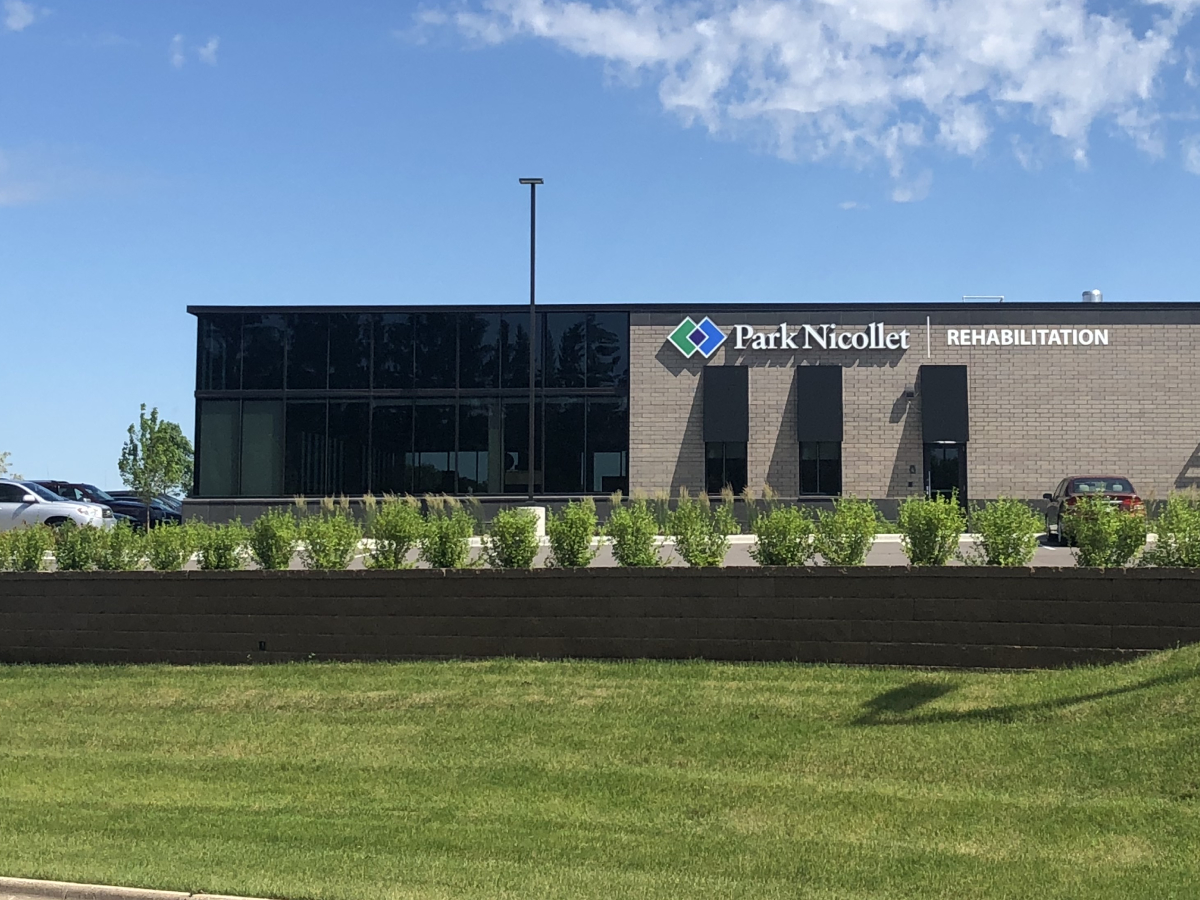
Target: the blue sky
(159, 154)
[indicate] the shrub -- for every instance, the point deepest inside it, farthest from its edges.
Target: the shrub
(6, 541)
(1178, 530)
(1105, 535)
(329, 540)
(273, 538)
(396, 527)
(119, 549)
(169, 547)
(75, 547)
(845, 534)
(701, 532)
(1006, 534)
(785, 537)
(570, 533)
(221, 548)
(634, 532)
(27, 548)
(930, 528)
(446, 541)
(512, 539)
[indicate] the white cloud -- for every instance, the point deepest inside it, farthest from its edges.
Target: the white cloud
(208, 53)
(19, 15)
(1191, 153)
(868, 80)
(851, 204)
(177, 58)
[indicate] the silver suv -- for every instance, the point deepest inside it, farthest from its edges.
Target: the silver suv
(26, 503)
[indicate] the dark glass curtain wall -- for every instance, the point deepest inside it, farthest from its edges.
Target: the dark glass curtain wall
(320, 403)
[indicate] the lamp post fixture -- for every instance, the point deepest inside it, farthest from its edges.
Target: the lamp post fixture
(533, 183)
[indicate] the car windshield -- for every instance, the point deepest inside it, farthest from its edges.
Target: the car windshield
(1101, 486)
(44, 493)
(102, 496)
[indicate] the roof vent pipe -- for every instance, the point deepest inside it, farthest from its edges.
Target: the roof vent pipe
(1093, 296)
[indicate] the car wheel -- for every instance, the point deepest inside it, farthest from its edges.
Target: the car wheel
(56, 521)
(1063, 540)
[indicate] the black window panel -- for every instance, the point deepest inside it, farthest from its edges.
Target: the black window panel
(725, 465)
(566, 346)
(821, 467)
(944, 411)
(220, 353)
(478, 350)
(607, 350)
(350, 351)
(516, 449)
(393, 364)
(304, 449)
(391, 448)
(435, 350)
(480, 447)
(607, 445)
(217, 450)
(263, 338)
(563, 434)
(514, 352)
(433, 447)
(308, 351)
(262, 448)
(349, 428)
(726, 404)
(819, 403)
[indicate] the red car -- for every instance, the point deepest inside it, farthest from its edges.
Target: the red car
(1116, 488)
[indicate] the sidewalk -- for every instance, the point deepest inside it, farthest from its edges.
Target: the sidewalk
(32, 889)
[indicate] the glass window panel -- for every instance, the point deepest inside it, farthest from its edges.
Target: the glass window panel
(350, 351)
(478, 350)
(393, 352)
(220, 353)
(433, 448)
(516, 449)
(308, 351)
(514, 352)
(391, 448)
(608, 444)
(714, 467)
(218, 450)
(608, 350)
(349, 427)
(435, 349)
(480, 449)
(735, 467)
(262, 448)
(304, 449)
(566, 340)
(262, 352)
(563, 434)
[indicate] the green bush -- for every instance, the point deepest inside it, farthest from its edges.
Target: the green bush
(1178, 531)
(75, 547)
(930, 528)
(785, 537)
(701, 532)
(6, 541)
(396, 527)
(329, 540)
(845, 534)
(512, 540)
(120, 548)
(273, 538)
(1104, 534)
(633, 531)
(28, 546)
(169, 547)
(446, 541)
(570, 532)
(221, 548)
(1006, 534)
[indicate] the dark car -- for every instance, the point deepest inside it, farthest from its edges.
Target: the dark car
(1117, 489)
(130, 507)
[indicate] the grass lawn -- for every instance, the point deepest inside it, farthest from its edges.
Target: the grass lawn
(592, 780)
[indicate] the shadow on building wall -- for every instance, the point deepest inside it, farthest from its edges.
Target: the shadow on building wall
(783, 470)
(907, 476)
(1189, 476)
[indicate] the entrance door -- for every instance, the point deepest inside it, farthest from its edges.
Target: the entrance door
(946, 471)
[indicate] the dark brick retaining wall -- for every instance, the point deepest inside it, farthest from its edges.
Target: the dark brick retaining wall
(934, 617)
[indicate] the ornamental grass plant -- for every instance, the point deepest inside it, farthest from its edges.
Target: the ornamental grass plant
(511, 541)
(930, 528)
(845, 534)
(570, 533)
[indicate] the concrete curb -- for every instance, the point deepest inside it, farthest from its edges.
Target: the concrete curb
(33, 889)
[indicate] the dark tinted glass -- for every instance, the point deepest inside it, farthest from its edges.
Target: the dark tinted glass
(607, 350)
(391, 448)
(262, 448)
(563, 434)
(349, 428)
(308, 351)
(304, 453)
(217, 454)
(514, 352)
(724, 466)
(566, 340)
(433, 443)
(820, 467)
(435, 350)
(1100, 486)
(262, 352)
(480, 451)
(607, 445)
(735, 467)
(220, 353)
(393, 352)
(350, 351)
(516, 449)
(478, 350)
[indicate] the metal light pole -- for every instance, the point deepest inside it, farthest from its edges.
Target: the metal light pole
(533, 183)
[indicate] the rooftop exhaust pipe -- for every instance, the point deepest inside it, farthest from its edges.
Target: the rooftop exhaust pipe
(1093, 296)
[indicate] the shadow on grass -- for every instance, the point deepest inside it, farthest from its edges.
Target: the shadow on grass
(890, 707)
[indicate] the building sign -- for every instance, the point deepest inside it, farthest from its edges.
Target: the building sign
(690, 337)
(1027, 337)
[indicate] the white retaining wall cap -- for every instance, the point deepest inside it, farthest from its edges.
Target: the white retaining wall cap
(33, 889)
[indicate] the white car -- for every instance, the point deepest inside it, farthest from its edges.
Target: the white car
(26, 503)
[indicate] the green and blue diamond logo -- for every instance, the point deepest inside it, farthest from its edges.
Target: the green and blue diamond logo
(690, 337)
